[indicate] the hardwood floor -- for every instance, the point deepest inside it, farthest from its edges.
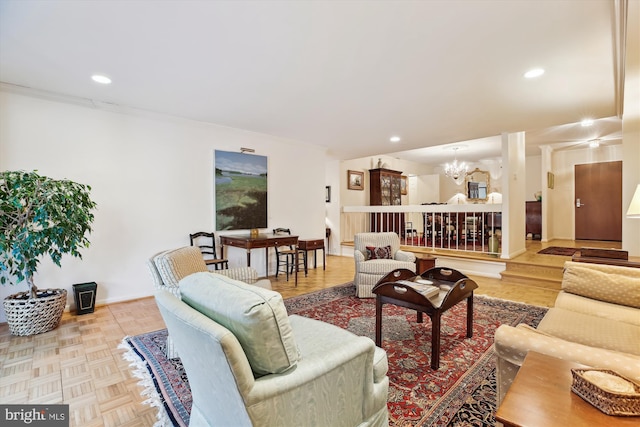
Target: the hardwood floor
(80, 364)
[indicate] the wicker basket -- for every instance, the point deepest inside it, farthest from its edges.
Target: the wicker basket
(31, 316)
(611, 403)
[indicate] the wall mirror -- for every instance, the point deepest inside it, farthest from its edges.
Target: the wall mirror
(477, 185)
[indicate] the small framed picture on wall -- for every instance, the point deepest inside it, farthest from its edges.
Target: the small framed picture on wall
(403, 185)
(355, 180)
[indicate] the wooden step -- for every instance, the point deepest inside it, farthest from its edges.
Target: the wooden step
(541, 276)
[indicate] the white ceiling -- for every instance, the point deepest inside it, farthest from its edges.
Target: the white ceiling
(345, 75)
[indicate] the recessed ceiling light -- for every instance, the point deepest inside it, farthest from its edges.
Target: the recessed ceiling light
(98, 78)
(594, 143)
(587, 122)
(536, 72)
(394, 139)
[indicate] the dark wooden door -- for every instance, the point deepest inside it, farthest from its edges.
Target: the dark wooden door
(598, 203)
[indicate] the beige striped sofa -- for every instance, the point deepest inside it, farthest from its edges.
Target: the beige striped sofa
(595, 321)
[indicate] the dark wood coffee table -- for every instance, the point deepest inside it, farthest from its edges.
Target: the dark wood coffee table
(394, 288)
(541, 396)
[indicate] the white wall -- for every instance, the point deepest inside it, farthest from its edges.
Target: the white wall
(427, 189)
(332, 209)
(562, 197)
(152, 178)
(361, 197)
(449, 188)
(533, 165)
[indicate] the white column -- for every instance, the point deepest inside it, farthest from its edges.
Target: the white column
(547, 193)
(631, 130)
(513, 195)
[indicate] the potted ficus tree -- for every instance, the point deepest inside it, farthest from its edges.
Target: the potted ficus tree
(39, 216)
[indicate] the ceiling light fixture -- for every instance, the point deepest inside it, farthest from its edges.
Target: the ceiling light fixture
(536, 72)
(456, 171)
(594, 143)
(394, 139)
(587, 122)
(98, 78)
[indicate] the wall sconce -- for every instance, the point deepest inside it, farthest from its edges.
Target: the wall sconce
(246, 150)
(634, 207)
(494, 197)
(457, 199)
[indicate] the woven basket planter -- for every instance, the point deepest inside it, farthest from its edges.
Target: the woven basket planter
(31, 316)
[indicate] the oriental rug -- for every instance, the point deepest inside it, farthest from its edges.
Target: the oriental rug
(460, 393)
(558, 250)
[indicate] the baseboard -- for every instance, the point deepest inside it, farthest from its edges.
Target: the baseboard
(475, 267)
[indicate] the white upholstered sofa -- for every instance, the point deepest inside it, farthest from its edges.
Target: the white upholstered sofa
(595, 322)
(370, 267)
(250, 364)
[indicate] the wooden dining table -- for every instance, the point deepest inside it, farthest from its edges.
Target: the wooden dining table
(266, 241)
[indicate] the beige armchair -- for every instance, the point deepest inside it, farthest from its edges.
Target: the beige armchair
(250, 364)
(168, 268)
(372, 265)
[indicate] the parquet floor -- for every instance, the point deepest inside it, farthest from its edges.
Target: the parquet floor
(79, 363)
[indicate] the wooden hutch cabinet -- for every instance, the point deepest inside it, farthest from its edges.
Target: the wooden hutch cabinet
(534, 219)
(384, 187)
(385, 190)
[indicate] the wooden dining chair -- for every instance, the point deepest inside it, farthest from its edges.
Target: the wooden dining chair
(285, 256)
(207, 244)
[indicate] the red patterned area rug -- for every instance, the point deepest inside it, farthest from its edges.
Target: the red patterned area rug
(460, 393)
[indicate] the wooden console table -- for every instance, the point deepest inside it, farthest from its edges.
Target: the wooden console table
(313, 245)
(265, 241)
(541, 396)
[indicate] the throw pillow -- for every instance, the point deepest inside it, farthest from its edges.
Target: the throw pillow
(257, 317)
(609, 287)
(379, 253)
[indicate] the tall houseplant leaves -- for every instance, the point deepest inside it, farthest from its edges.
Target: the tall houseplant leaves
(40, 216)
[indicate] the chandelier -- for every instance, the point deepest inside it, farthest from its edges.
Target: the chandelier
(456, 171)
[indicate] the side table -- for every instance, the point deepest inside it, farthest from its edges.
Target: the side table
(541, 396)
(313, 245)
(424, 262)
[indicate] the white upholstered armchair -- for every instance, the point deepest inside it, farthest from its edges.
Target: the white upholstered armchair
(375, 255)
(168, 268)
(250, 364)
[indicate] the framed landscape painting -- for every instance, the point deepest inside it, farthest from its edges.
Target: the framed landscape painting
(240, 182)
